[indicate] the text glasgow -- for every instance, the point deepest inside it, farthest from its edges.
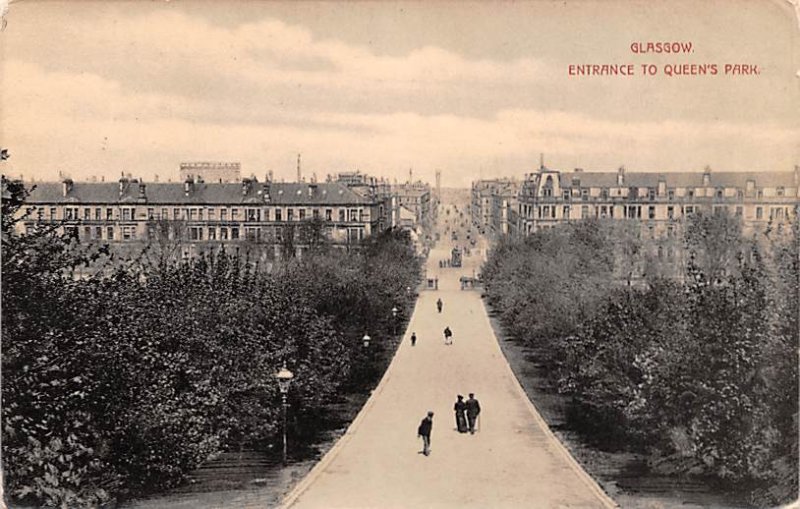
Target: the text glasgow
(661, 47)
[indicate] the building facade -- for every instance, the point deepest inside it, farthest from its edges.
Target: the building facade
(658, 201)
(198, 213)
(494, 205)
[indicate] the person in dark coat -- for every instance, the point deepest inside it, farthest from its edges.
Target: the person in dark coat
(424, 431)
(461, 414)
(413, 338)
(473, 411)
(439, 305)
(448, 336)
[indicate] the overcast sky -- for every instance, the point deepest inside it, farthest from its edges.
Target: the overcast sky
(96, 88)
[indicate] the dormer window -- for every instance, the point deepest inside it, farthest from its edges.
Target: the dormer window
(780, 191)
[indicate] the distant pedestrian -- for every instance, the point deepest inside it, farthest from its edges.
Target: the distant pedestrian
(413, 338)
(424, 431)
(461, 414)
(439, 305)
(473, 411)
(448, 336)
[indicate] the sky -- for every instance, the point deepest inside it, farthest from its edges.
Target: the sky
(476, 90)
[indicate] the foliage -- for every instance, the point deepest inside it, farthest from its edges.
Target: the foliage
(700, 372)
(125, 381)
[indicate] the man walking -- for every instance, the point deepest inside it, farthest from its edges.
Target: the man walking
(439, 305)
(448, 336)
(424, 431)
(473, 411)
(413, 338)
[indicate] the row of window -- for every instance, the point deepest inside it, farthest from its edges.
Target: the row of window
(633, 193)
(200, 214)
(635, 211)
(195, 233)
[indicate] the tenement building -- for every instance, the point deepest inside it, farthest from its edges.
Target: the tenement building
(658, 201)
(274, 215)
(494, 205)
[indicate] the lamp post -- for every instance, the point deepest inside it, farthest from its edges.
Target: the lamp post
(394, 319)
(284, 377)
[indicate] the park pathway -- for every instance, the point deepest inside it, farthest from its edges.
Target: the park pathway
(514, 461)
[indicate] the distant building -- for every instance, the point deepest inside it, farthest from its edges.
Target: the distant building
(202, 213)
(212, 171)
(494, 204)
(415, 197)
(658, 201)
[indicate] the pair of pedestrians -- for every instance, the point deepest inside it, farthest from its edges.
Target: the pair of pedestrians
(467, 413)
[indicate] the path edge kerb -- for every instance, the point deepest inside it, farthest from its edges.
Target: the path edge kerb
(301, 487)
(583, 475)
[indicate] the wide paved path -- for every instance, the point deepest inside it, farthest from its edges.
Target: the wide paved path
(513, 461)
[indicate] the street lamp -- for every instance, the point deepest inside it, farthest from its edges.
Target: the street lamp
(394, 319)
(284, 377)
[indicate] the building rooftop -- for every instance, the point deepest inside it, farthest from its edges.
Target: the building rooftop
(246, 192)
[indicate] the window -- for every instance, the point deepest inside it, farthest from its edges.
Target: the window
(70, 213)
(604, 193)
(234, 233)
(128, 232)
(301, 213)
(223, 233)
(87, 231)
(603, 211)
(328, 214)
(252, 215)
(565, 194)
(739, 211)
(315, 214)
(151, 214)
(266, 214)
(98, 232)
(278, 215)
(584, 194)
(196, 233)
(671, 194)
(290, 214)
(164, 214)
(234, 217)
(176, 214)
(191, 215)
(352, 215)
(759, 213)
(584, 211)
(776, 213)
(126, 216)
(252, 234)
(212, 214)
(53, 213)
(651, 212)
(212, 233)
(87, 214)
(780, 191)
(739, 194)
(670, 231)
(98, 214)
(720, 193)
(565, 212)
(361, 215)
(690, 193)
(341, 215)
(110, 233)
(671, 212)
(689, 210)
(651, 193)
(223, 214)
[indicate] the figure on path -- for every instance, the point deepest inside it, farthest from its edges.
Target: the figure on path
(439, 305)
(413, 338)
(473, 411)
(448, 336)
(461, 414)
(424, 431)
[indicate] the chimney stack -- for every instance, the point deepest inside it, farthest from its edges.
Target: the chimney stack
(66, 186)
(621, 176)
(707, 176)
